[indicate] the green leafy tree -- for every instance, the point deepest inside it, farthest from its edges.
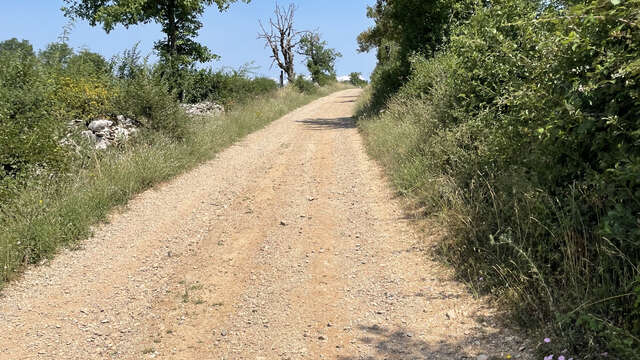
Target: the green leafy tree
(413, 25)
(88, 63)
(16, 46)
(179, 20)
(355, 78)
(320, 59)
(56, 55)
(406, 27)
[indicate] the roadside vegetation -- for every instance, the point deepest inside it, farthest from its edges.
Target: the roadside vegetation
(515, 124)
(54, 184)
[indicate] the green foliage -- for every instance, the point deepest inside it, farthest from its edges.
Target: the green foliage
(262, 85)
(388, 76)
(56, 56)
(415, 26)
(81, 97)
(28, 131)
(225, 87)
(303, 85)
(320, 59)
(355, 78)
(144, 96)
(147, 100)
(179, 20)
(22, 49)
(404, 28)
(522, 136)
(88, 63)
(39, 95)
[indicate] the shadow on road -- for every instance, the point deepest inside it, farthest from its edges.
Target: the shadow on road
(403, 344)
(328, 124)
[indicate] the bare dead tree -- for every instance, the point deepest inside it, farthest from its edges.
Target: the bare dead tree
(282, 38)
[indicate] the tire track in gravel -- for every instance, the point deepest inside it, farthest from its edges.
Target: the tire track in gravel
(288, 245)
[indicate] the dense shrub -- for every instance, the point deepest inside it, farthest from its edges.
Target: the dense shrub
(88, 63)
(387, 78)
(40, 94)
(28, 129)
(303, 85)
(55, 56)
(402, 29)
(225, 87)
(524, 135)
(82, 97)
(144, 96)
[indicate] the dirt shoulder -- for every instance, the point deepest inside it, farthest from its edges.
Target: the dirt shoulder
(288, 245)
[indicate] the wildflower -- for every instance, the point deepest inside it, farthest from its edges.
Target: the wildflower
(508, 356)
(547, 340)
(40, 202)
(550, 357)
(561, 357)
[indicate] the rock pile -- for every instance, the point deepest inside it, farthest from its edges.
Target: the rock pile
(206, 108)
(102, 133)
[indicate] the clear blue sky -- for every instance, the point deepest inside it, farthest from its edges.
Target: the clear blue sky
(231, 34)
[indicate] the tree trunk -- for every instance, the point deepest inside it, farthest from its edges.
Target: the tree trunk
(172, 44)
(282, 39)
(172, 29)
(291, 75)
(288, 62)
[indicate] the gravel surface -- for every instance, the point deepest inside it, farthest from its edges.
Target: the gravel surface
(288, 245)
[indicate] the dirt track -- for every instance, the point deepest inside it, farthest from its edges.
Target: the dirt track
(288, 245)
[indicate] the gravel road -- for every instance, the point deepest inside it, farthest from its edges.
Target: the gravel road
(288, 245)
